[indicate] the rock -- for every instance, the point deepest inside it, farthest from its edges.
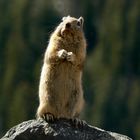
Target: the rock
(59, 130)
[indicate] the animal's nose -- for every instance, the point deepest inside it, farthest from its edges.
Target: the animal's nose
(68, 25)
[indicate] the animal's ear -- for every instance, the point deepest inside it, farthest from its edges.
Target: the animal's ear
(65, 17)
(81, 20)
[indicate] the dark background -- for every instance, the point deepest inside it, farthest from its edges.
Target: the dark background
(111, 78)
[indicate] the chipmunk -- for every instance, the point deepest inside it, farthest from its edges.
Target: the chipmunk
(60, 88)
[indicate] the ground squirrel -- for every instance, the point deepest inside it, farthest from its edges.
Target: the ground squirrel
(60, 89)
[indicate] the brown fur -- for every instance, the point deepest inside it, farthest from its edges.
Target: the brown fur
(60, 89)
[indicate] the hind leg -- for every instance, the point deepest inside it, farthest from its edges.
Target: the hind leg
(75, 120)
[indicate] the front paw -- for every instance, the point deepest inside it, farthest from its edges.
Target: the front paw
(62, 54)
(70, 56)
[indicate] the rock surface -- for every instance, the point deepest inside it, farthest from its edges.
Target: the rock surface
(59, 130)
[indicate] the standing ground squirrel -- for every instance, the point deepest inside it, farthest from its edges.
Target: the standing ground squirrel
(60, 89)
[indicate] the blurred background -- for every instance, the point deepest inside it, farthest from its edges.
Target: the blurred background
(111, 78)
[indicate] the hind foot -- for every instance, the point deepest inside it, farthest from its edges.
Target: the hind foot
(76, 122)
(48, 117)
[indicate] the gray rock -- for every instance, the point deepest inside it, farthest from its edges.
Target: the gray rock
(59, 130)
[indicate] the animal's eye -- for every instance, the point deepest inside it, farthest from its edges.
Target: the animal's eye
(78, 23)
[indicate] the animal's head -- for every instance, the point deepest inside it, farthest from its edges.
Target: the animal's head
(71, 26)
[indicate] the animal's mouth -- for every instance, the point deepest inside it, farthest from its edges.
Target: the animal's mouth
(65, 31)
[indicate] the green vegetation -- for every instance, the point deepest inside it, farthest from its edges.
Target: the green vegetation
(112, 72)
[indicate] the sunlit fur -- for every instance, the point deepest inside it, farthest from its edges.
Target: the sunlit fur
(60, 89)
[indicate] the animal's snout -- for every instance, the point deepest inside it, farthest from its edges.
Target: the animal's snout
(68, 25)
